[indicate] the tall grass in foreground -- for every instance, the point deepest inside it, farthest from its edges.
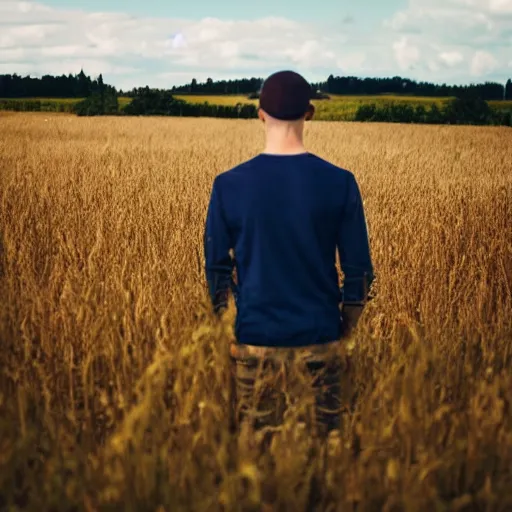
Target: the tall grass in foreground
(114, 378)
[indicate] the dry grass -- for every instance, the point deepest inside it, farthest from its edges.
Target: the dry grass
(114, 382)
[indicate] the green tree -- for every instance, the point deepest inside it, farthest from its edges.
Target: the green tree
(468, 111)
(508, 90)
(102, 100)
(84, 85)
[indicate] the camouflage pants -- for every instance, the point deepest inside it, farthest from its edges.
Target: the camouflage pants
(268, 380)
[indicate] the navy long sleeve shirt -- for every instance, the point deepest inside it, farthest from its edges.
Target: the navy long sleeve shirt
(278, 219)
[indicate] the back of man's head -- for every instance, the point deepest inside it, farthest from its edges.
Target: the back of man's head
(286, 96)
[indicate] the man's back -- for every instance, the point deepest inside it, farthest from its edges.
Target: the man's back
(284, 216)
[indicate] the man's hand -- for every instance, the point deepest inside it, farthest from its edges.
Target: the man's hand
(350, 315)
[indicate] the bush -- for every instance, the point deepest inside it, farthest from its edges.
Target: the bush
(366, 112)
(502, 117)
(388, 113)
(468, 111)
(434, 115)
(16, 105)
(98, 104)
(458, 111)
(420, 114)
(157, 102)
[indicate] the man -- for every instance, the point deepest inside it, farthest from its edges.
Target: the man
(283, 214)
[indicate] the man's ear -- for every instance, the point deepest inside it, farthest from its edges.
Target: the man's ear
(261, 115)
(310, 112)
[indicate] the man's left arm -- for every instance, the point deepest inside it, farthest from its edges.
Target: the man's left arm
(355, 257)
(217, 245)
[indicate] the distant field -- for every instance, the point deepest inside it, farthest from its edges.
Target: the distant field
(62, 105)
(501, 103)
(233, 99)
(122, 99)
(55, 104)
(216, 100)
(345, 107)
(338, 107)
(45, 100)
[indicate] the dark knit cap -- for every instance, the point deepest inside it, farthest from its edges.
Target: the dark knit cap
(286, 95)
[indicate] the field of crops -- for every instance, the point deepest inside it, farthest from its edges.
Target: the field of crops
(52, 104)
(337, 108)
(334, 109)
(115, 379)
(334, 98)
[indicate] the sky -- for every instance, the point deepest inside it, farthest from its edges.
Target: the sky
(162, 43)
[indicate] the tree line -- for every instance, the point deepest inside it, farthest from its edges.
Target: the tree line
(403, 86)
(243, 86)
(82, 86)
(71, 86)
(351, 85)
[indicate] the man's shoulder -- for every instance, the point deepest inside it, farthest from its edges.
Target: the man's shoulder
(330, 173)
(235, 171)
(321, 163)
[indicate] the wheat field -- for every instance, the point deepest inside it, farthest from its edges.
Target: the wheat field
(115, 380)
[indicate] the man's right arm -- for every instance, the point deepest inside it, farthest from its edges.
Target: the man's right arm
(355, 257)
(217, 245)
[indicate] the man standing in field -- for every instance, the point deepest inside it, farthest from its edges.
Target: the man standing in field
(283, 214)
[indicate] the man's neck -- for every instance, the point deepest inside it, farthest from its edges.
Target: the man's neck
(284, 141)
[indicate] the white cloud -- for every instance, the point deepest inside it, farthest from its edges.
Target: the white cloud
(494, 6)
(178, 41)
(503, 6)
(23, 7)
(61, 51)
(447, 33)
(352, 61)
(12, 54)
(428, 40)
(208, 45)
(25, 35)
(406, 54)
(451, 59)
(311, 53)
(483, 63)
(442, 18)
(491, 6)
